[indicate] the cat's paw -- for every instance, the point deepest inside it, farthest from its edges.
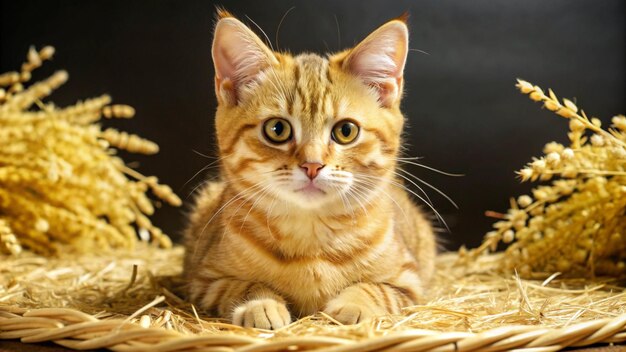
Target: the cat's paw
(262, 314)
(350, 313)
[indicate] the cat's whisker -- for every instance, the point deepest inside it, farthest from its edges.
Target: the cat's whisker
(348, 205)
(431, 187)
(282, 84)
(198, 186)
(429, 168)
(341, 173)
(363, 192)
(339, 180)
(280, 90)
(419, 51)
(264, 191)
(358, 183)
(269, 181)
(349, 193)
(230, 201)
(280, 23)
(207, 167)
(344, 200)
(326, 45)
(290, 92)
(269, 42)
(204, 183)
(210, 165)
(336, 184)
(234, 198)
(338, 33)
(204, 155)
(409, 158)
(414, 184)
(358, 196)
(401, 186)
(236, 211)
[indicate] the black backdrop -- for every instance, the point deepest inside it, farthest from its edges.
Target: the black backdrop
(464, 113)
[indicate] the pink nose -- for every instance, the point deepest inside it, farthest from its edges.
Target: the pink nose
(312, 169)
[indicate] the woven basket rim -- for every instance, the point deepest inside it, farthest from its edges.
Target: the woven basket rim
(76, 330)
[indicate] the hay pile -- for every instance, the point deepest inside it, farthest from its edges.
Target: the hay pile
(576, 224)
(60, 179)
(131, 299)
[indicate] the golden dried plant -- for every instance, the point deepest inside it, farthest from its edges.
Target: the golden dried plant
(576, 224)
(61, 182)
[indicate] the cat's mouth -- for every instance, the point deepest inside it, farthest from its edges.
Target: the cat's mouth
(311, 190)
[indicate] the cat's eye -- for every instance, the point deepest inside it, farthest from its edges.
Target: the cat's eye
(277, 130)
(345, 132)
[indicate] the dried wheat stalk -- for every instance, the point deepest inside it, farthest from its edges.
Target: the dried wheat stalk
(575, 225)
(60, 180)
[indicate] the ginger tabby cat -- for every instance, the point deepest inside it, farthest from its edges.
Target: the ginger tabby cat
(308, 214)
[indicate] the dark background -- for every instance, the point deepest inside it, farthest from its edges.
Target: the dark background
(464, 113)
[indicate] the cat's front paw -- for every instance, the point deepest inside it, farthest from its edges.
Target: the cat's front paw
(262, 314)
(350, 313)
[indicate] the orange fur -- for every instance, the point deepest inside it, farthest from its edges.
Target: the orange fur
(262, 249)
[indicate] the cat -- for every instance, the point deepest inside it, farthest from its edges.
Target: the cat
(308, 215)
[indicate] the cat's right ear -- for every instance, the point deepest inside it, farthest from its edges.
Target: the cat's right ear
(380, 58)
(239, 56)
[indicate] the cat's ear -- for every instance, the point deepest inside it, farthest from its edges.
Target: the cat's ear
(379, 60)
(239, 56)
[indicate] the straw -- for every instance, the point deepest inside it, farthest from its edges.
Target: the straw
(132, 300)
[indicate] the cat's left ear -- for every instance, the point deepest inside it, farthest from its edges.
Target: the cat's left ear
(239, 57)
(380, 58)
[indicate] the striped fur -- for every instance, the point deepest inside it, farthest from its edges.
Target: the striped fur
(262, 252)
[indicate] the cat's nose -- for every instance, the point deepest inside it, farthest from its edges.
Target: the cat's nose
(311, 169)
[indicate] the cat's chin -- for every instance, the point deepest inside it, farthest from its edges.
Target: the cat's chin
(309, 198)
(311, 191)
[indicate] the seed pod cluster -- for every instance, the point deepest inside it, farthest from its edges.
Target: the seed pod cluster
(61, 183)
(574, 222)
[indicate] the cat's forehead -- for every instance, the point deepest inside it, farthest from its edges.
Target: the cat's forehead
(311, 65)
(312, 74)
(312, 83)
(310, 89)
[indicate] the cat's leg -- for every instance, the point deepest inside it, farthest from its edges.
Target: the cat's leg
(366, 300)
(246, 303)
